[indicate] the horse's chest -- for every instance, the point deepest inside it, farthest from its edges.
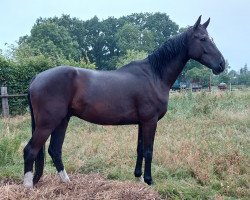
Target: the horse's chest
(162, 105)
(162, 110)
(153, 109)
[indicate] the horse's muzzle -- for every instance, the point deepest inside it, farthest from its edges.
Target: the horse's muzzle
(220, 68)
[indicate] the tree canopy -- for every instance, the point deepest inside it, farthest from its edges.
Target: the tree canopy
(97, 44)
(100, 41)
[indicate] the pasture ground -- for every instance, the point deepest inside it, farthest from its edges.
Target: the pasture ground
(202, 151)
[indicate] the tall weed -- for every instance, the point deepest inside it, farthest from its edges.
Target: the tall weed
(9, 146)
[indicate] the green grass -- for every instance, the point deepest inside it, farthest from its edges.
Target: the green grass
(201, 151)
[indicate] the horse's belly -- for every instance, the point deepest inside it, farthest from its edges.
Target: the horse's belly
(108, 120)
(107, 115)
(102, 121)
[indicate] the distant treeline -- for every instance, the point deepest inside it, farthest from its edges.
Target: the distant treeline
(99, 41)
(97, 44)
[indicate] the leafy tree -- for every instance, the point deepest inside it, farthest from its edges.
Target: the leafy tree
(5, 70)
(233, 75)
(138, 19)
(94, 40)
(51, 40)
(147, 41)
(99, 41)
(109, 29)
(199, 75)
(192, 64)
(244, 76)
(161, 26)
(244, 70)
(83, 63)
(128, 38)
(131, 55)
(157, 26)
(111, 52)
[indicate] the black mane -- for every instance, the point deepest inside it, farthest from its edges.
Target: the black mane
(169, 50)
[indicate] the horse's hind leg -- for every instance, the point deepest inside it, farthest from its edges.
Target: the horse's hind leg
(31, 150)
(55, 148)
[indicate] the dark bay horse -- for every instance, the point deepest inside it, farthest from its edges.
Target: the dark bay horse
(134, 94)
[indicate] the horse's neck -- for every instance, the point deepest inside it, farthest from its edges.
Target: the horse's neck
(173, 68)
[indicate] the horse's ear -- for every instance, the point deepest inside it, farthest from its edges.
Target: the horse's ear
(197, 23)
(206, 23)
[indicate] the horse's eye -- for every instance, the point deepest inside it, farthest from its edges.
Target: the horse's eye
(203, 39)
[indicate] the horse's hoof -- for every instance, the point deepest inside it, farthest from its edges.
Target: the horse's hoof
(149, 181)
(64, 176)
(140, 179)
(28, 180)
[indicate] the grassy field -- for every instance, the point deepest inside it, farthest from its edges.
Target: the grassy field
(202, 148)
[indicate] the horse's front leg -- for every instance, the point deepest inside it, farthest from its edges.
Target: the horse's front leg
(138, 166)
(148, 132)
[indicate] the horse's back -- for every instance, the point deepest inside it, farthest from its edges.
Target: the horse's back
(52, 76)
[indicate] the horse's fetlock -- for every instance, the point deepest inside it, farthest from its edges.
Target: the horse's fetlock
(148, 180)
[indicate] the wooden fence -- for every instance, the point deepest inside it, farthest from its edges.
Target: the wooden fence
(5, 105)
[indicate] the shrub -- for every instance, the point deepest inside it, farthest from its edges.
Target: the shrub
(16, 75)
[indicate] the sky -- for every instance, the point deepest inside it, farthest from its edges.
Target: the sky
(229, 26)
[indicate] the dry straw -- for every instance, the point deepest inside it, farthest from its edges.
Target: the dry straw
(92, 186)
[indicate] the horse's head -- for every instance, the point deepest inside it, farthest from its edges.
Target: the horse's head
(202, 48)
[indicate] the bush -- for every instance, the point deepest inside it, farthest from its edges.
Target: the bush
(17, 74)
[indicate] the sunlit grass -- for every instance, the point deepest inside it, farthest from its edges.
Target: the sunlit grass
(201, 151)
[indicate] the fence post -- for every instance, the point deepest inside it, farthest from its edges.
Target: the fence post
(209, 87)
(5, 105)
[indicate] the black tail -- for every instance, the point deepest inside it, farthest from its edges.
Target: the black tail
(39, 162)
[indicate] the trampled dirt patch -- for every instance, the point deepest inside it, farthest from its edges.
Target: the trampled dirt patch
(87, 187)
